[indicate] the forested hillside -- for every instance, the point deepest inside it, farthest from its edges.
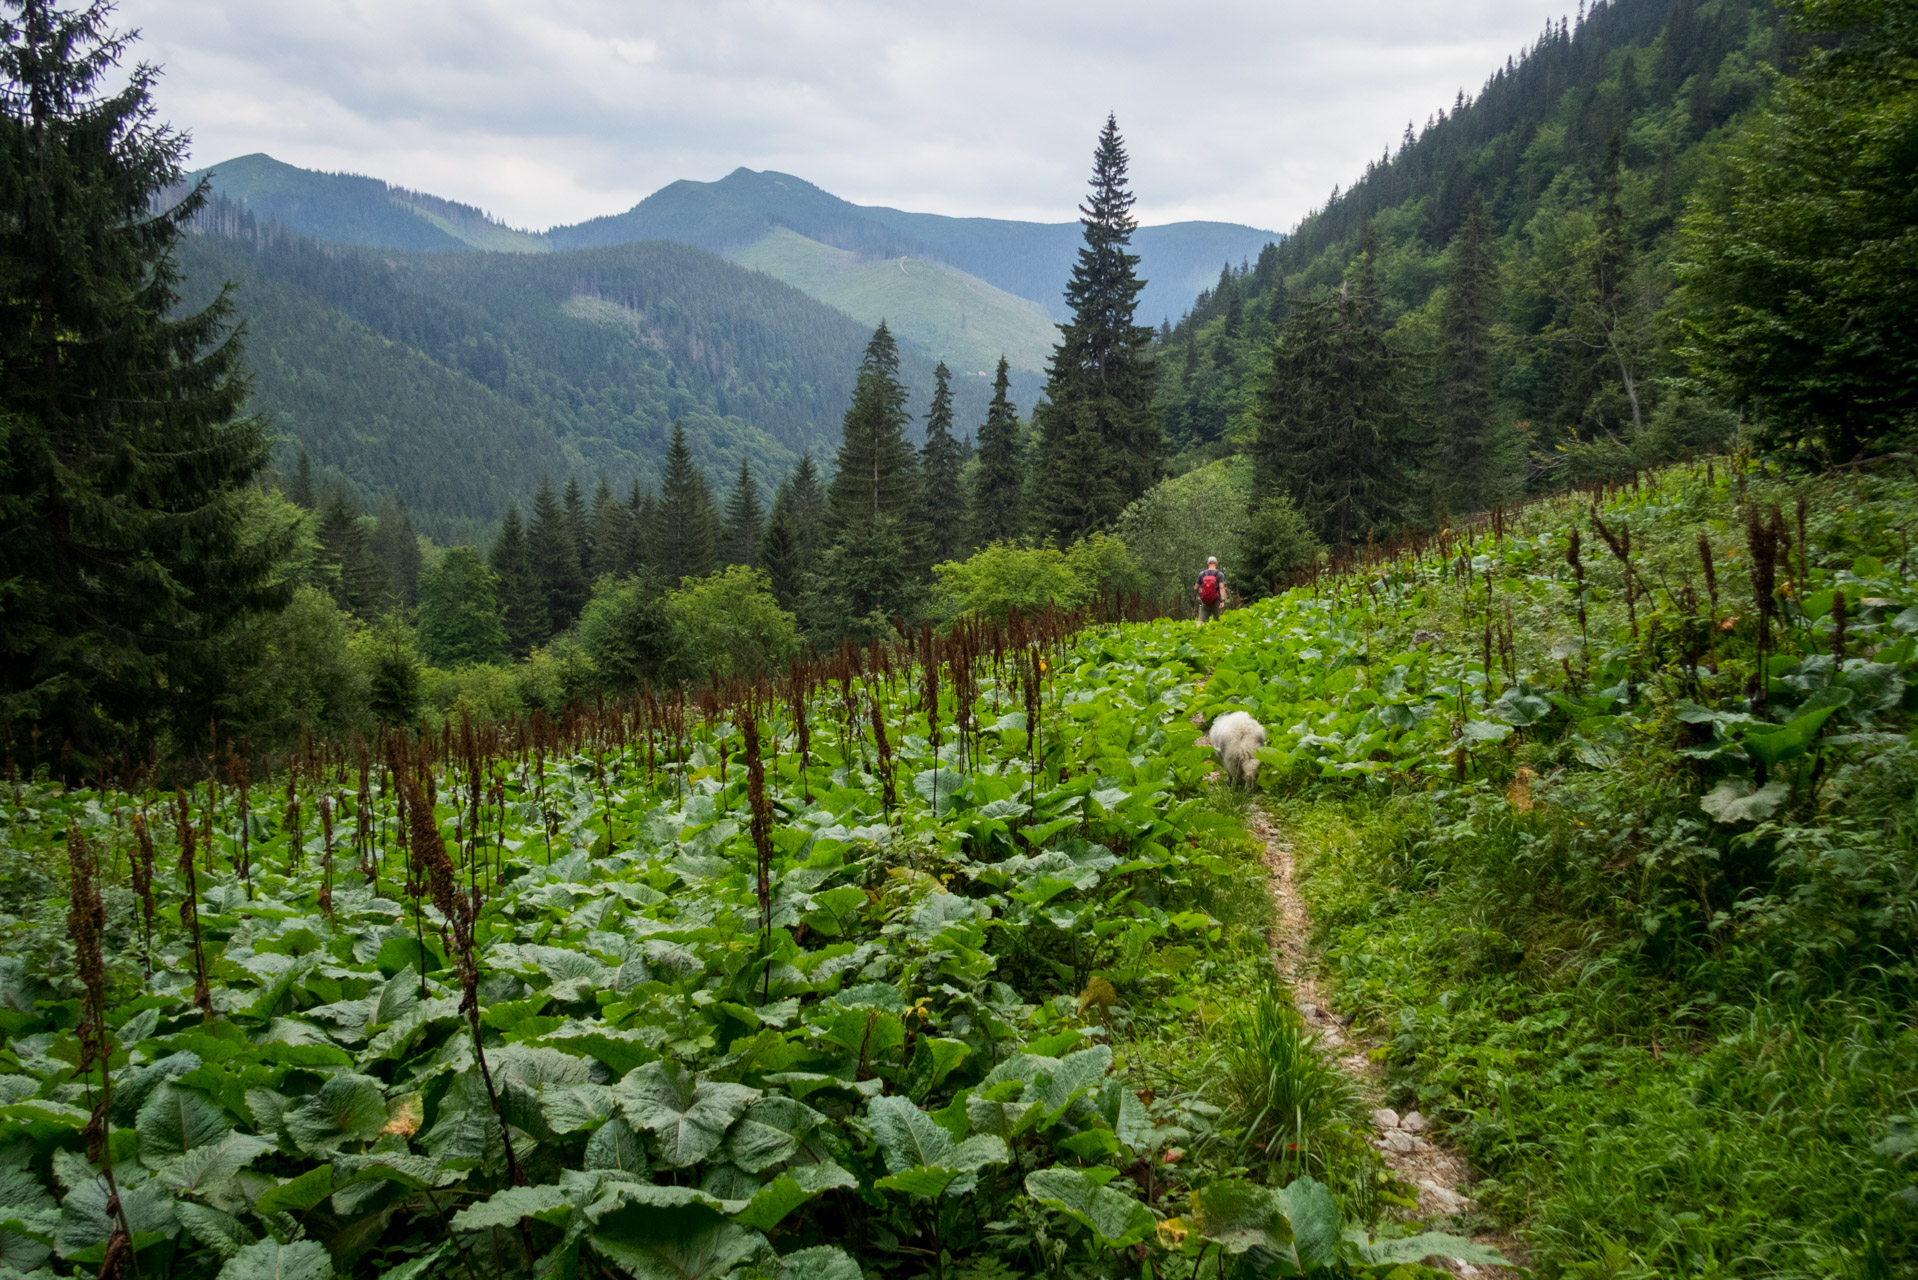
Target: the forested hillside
(1583, 151)
(456, 380)
(355, 210)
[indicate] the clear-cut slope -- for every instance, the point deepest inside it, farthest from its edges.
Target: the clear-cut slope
(950, 315)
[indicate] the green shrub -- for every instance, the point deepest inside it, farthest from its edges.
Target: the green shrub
(627, 630)
(1007, 576)
(729, 622)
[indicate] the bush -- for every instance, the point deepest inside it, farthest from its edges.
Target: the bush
(390, 664)
(730, 622)
(459, 611)
(627, 630)
(487, 692)
(1175, 525)
(1278, 544)
(1007, 576)
(307, 678)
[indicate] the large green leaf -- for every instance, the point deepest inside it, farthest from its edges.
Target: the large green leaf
(1114, 1218)
(1734, 800)
(667, 1244)
(769, 1132)
(347, 1108)
(548, 1203)
(1314, 1214)
(211, 1163)
(1238, 1215)
(688, 1116)
(1431, 1244)
(297, 1195)
(85, 1224)
(1771, 745)
(614, 1145)
(271, 1260)
(773, 1202)
(908, 1137)
(1075, 1075)
(835, 911)
(175, 1119)
(223, 1233)
(823, 1262)
(569, 1108)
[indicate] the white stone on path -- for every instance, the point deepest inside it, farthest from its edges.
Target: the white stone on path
(1385, 1118)
(1413, 1122)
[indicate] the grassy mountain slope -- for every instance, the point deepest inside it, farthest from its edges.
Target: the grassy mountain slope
(1029, 259)
(355, 210)
(951, 315)
(1669, 78)
(457, 379)
(1177, 260)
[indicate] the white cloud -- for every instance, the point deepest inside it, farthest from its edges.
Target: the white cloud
(1233, 109)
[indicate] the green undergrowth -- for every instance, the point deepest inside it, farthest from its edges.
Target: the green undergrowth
(921, 1003)
(1640, 939)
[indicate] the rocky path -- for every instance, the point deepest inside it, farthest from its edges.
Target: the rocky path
(1403, 1141)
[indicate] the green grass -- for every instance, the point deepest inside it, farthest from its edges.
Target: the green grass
(1676, 1047)
(954, 316)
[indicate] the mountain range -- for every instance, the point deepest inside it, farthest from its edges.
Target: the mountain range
(961, 289)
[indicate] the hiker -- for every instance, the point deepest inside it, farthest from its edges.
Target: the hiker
(1211, 588)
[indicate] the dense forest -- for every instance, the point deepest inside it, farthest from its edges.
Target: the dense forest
(1519, 258)
(453, 381)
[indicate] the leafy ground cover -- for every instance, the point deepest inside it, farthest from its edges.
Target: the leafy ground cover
(905, 968)
(1607, 814)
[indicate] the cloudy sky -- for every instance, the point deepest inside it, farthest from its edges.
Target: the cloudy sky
(551, 112)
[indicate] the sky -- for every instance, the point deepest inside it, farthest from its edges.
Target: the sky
(555, 111)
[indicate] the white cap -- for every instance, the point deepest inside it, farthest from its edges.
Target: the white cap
(1212, 559)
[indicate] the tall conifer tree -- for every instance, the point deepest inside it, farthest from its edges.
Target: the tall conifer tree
(397, 548)
(999, 483)
(875, 478)
(1099, 437)
(555, 555)
(579, 523)
(522, 602)
(1463, 462)
(612, 525)
(942, 497)
(685, 527)
(129, 564)
(1332, 432)
(745, 519)
(357, 580)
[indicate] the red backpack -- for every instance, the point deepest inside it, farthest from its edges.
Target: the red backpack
(1209, 586)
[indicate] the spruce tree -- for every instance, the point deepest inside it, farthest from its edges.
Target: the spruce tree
(643, 513)
(1099, 436)
(397, 548)
(460, 612)
(129, 565)
(302, 495)
(1463, 463)
(942, 497)
(685, 526)
(555, 556)
(999, 483)
(745, 519)
(612, 525)
(521, 600)
(1332, 432)
(782, 553)
(875, 478)
(579, 523)
(352, 572)
(808, 501)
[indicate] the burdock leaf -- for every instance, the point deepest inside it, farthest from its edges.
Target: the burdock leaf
(688, 1116)
(271, 1260)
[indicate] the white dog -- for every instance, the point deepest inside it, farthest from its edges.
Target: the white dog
(1237, 737)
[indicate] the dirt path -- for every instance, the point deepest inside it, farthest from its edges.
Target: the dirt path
(1402, 1141)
